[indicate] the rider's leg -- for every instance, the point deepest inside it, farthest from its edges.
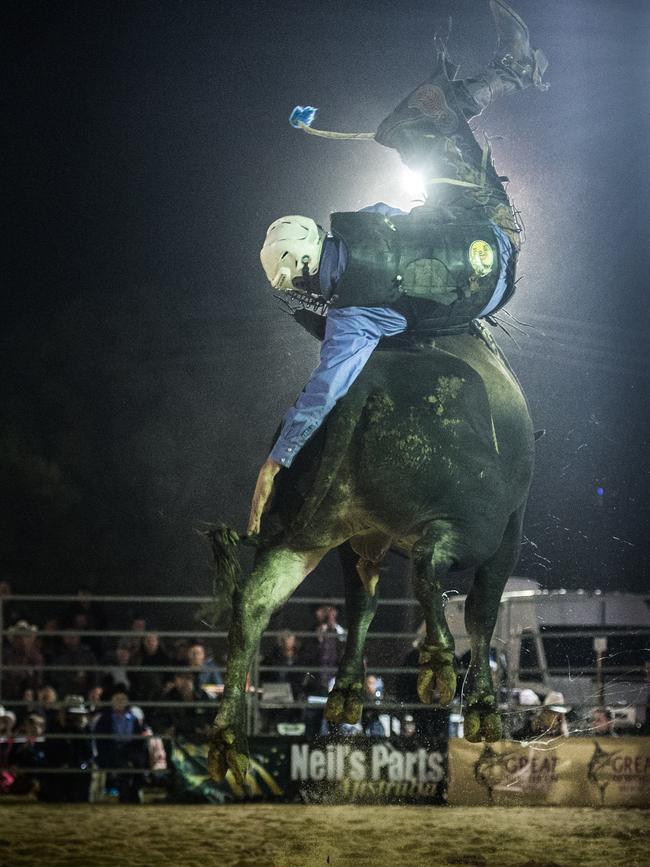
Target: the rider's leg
(514, 66)
(429, 127)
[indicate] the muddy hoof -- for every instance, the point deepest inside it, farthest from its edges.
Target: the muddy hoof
(441, 680)
(482, 725)
(436, 674)
(227, 752)
(345, 704)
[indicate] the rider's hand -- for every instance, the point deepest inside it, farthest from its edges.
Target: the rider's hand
(263, 488)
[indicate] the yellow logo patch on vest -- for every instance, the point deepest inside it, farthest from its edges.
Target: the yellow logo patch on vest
(481, 258)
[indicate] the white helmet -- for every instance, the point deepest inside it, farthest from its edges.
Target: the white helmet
(291, 244)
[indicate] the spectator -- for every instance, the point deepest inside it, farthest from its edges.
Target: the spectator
(118, 661)
(30, 754)
(74, 754)
(324, 651)
(179, 652)
(376, 721)
(93, 700)
(517, 718)
(77, 657)
(85, 614)
(152, 647)
(526, 698)
(184, 720)
(7, 759)
(549, 722)
(147, 685)
(46, 703)
(408, 728)
(80, 623)
(51, 645)
(34, 726)
(370, 719)
(127, 750)
(208, 673)
(7, 722)
(286, 653)
(139, 624)
(157, 758)
(330, 641)
(23, 650)
(603, 723)
(138, 628)
(29, 702)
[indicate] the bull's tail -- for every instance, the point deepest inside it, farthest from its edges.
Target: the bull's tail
(227, 572)
(225, 550)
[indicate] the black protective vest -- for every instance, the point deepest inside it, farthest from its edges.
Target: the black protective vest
(438, 268)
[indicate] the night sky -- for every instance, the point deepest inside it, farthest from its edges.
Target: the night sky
(145, 363)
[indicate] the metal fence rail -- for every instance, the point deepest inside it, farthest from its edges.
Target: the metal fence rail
(258, 669)
(257, 706)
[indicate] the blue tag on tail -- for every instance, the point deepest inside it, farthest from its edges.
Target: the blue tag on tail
(302, 114)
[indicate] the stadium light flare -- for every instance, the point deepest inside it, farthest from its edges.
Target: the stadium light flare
(413, 183)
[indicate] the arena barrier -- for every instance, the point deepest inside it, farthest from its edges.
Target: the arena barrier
(580, 772)
(353, 770)
(576, 772)
(611, 679)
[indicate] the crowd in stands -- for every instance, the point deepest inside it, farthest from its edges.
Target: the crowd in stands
(82, 700)
(78, 700)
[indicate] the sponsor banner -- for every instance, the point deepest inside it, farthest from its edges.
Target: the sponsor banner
(370, 771)
(609, 772)
(266, 778)
(349, 770)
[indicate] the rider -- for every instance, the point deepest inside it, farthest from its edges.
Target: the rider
(430, 272)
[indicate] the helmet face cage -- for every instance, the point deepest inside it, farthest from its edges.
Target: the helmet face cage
(291, 250)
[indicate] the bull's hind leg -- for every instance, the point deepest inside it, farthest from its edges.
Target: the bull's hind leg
(437, 673)
(345, 701)
(482, 719)
(276, 575)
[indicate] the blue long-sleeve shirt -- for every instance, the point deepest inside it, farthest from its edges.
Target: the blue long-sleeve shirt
(351, 334)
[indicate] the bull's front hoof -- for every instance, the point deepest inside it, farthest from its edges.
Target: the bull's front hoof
(345, 704)
(227, 752)
(436, 675)
(482, 725)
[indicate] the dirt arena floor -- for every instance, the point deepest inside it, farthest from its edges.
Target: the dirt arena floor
(311, 836)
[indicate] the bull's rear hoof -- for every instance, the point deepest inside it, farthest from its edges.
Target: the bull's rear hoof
(492, 728)
(227, 752)
(440, 680)
(482, 725)
(345, 704)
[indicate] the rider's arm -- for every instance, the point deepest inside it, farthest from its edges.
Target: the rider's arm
(351, 334)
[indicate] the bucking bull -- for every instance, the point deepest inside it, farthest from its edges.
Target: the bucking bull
(429, 453)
